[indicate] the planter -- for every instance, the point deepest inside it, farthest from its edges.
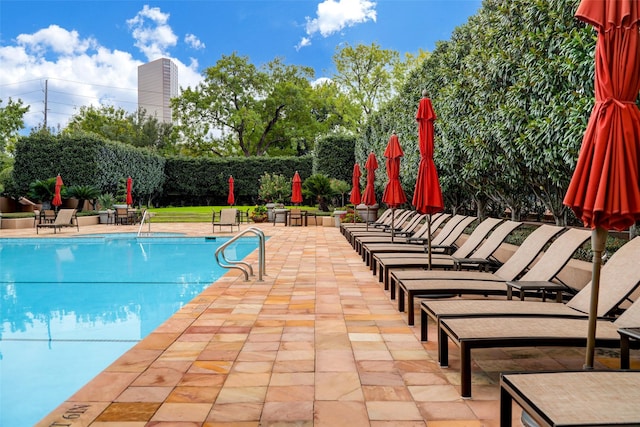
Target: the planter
(270, 207)
(338, 215)
(367, 213)
(16, 223)
(280, 215)
(259, 218)
(106, 217)
(88, 220)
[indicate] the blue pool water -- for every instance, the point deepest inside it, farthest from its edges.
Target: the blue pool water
(70, 307)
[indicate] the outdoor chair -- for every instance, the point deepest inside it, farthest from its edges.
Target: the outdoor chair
(414, 242)
(545, 269)
(413, 225)
(395, 216)
(524, 331)
(403, 221)
(383, 262)
(346, 226)
(619, 278)
(228, 218)
(295, 217)
(512, 268)
(65, 218)
(572, 398)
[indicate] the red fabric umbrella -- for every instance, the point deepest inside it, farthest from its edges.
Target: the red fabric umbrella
(296, 189)
(355, 197)
(231, 199)
(369, 196)
(57, 197)
(427, 197)
(129, 199)
(604, 190)
(393, 194)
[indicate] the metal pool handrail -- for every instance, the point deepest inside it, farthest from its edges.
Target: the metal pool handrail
(241, 265)
(146, 215)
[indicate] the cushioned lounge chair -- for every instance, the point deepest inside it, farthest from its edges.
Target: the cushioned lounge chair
(415, 242)
(524, 331)
(572, 398)
(65, 218)
(228, 218)
(545, 269)
(619, 278)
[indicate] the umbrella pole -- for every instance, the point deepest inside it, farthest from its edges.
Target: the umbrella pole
(393, 217)
(598, 240)
(429, 239)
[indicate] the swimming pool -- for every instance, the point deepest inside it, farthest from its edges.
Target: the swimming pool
(71, 306)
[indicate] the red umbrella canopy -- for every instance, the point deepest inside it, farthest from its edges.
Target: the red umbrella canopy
(604, 191)
(355, 197)
(369, 196)
(427, 197)
(296, 189)
(231, 199)
(57, 197)
(393, 193)
(129, 199)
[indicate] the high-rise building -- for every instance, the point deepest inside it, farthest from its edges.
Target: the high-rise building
(157, 84)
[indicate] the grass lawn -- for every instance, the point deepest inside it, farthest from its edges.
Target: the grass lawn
(197, 213)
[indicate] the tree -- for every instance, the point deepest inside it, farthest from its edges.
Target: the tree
(115, 123)
(241, 109)
(11, 121)
(366, 73)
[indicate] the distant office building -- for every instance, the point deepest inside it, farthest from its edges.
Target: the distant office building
(157, 84)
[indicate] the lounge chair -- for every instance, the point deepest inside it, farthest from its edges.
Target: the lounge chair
(619, 278)
(572, 398)
(384, 262)
(515, 266)
(524, 331)
(415, 242)
(345, 227)
(547, 268)
(399, 221)
(65, 218)
(408, 227)
(228, 218)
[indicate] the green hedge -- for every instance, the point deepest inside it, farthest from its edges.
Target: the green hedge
(204, 180)
(87, 160)
(335, 156)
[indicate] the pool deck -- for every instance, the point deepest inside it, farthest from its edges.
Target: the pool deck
(317, 343)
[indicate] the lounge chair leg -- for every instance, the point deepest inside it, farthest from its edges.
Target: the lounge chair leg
(410, 308)
(465, 370)
(400, 299)
(443, 349)
(424, 327)
(506, 407)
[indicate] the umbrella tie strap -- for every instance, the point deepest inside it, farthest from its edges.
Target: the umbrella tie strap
(621, 104)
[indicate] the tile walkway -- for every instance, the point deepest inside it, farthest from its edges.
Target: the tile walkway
(317, 343)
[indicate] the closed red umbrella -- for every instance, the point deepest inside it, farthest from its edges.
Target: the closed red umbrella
(427, 197)
(57, 197)
(355, 197)
(393, 194)
(231, 199)
(296, 189)
(129, 199)
(369, 196)
(604, 190)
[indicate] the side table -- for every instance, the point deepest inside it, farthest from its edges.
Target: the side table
(626, 335)
(543, 286)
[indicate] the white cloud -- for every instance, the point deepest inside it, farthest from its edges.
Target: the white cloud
(333, 16)
(152, 33)
(193, 41)
(305, 41)
(80, 71)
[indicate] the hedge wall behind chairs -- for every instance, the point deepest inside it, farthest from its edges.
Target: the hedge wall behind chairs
(205, 180)
(86, 160)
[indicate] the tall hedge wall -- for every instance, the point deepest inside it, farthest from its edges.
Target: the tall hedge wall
(204, 181)
(335, 156)
(87, 160)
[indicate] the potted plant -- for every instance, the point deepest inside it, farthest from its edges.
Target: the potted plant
(259, 214)
(106, 202)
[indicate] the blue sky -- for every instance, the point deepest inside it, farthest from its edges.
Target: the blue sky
(89, 50)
